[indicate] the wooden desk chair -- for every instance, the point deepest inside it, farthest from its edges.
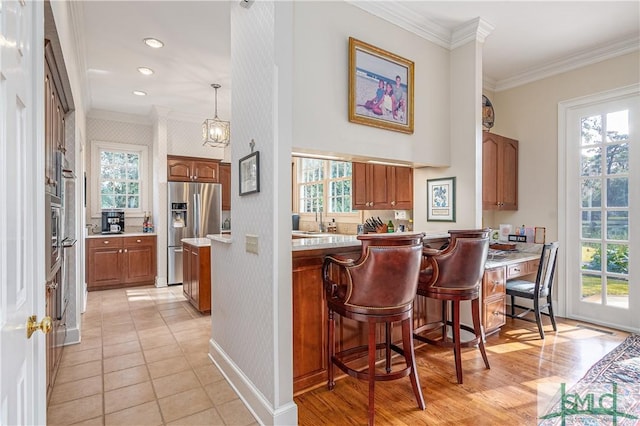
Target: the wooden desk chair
(536, 290)
(377, 288)
(453, 275)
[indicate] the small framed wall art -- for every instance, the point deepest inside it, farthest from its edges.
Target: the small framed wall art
(380, 88)
(441, 200)
(250, 173)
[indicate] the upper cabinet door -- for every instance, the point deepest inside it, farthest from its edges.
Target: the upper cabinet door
(205, 171)
(499, 172)
(179, 170)
(402, 188)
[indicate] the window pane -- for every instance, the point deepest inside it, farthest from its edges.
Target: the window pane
(591, 161)
(133, 188)
(106, 187)
(591, 288)
(618, 225)
(591, 130)
(591, 224)
(618, 126)
(119, 187)
(108, 202)
(591, 193)
(618, 292)
(121, 201)
(618, 258)
(133, 202)
(591, 256)
(617, 192)
(617, 159)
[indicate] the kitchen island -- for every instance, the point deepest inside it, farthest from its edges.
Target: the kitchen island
(310, 312)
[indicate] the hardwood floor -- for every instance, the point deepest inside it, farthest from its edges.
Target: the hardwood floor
(506, 394)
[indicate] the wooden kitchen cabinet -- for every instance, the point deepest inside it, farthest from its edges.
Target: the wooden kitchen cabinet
(493, 299)
(192, 169)
(196, 276)
(381, 187)
(120, 261)
(499, 172)
(225, 180)
(55, 338)
(56, 106)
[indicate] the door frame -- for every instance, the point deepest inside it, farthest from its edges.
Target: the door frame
(566, 254)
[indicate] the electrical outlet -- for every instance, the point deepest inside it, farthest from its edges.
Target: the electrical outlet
(400, 214)
(251, 243)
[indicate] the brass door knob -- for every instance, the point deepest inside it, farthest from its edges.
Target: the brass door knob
(32, 325)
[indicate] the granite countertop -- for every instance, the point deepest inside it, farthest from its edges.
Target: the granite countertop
(124, 234)
(523, 253)
(197, 242)
(324, 241)
(221, 238)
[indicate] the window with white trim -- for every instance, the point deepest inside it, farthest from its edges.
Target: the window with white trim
(120, 171)
(324, 186)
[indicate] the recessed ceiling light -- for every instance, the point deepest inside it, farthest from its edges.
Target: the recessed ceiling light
(139, 93)
(153, 42)
(145, 70)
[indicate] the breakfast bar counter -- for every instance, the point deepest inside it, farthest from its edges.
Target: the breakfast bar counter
(310, 312)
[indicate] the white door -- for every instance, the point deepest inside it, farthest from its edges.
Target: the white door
(22, 360)
(603, 209)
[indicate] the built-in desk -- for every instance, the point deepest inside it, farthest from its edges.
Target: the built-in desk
(500, 267)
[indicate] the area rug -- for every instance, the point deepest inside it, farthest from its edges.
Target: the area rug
(608, 394)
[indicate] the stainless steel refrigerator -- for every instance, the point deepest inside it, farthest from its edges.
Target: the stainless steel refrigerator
(195, 210)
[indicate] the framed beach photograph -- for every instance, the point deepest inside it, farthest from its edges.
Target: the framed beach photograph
(380, 88)
(250, 173)
(441, 200)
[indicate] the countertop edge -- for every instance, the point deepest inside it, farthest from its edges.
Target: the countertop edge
(124, 234)
(220, 238)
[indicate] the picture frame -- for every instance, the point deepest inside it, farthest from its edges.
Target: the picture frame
(441, 200)
(249, 167)
(380, 88)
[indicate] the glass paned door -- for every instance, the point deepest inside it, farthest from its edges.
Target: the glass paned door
(604, 182)
(602, 173)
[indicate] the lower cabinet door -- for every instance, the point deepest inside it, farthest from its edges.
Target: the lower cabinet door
(493, 314)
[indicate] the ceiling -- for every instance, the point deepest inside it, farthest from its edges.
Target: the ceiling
(529, 40)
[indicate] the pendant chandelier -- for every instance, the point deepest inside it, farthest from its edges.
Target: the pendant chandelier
(216, 132)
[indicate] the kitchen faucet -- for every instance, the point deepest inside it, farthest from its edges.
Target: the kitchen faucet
(320, 225)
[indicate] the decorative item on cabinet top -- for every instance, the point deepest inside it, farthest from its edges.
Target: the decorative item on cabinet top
(488, 115)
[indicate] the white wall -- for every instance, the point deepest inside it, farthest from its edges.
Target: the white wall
(321, 51)
(251, 312)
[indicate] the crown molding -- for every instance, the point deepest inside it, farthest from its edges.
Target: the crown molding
(400, 15)
(587, 57)
(475, 30)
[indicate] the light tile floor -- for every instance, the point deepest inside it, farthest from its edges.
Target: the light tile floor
(143, 360)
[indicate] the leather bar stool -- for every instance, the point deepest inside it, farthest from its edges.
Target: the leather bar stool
(379, 287)
(454, 275)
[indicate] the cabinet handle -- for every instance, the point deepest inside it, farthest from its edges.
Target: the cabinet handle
(120, 251)
(393, 203)
(516, 269)
(105, 242)
(138, 241)
(371, 204)
(497, 313)
(125, 250)
(495, 284)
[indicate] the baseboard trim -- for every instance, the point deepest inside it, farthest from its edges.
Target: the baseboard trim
(255, 401)
(73, 336)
